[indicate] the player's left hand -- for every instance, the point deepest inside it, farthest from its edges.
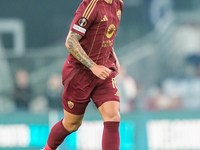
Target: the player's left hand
(118, 67)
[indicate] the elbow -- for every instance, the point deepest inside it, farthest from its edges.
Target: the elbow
(69, 43)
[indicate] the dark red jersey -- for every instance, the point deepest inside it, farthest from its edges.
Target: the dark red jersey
(97, 21)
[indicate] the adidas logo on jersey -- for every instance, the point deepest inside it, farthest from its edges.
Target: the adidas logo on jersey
(104, 18)
(117, 93)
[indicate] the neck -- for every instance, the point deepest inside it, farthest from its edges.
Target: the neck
(109, 1)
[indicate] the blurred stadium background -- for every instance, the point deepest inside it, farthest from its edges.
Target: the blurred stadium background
(158, 45)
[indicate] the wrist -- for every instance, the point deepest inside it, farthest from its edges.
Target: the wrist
(92, 66)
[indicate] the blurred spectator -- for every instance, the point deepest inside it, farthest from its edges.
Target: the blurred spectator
(188, 89)
(7, 104)
(157, 100)
(22, 90)
(54, 91)
(187, 44)
(39, 105)
(198, 72)
(127, 91)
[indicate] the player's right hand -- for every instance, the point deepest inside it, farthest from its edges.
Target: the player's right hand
(100, 71)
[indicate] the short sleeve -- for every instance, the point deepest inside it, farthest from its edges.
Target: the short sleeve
(84, 16)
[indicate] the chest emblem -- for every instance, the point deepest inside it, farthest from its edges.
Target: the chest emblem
(119, 12)
(104, 18)
(111, 31)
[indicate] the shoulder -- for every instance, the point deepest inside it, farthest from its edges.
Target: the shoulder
(120, 3)
(88, 8)
(90, 2)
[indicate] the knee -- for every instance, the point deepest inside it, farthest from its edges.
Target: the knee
(113, 116)
(74, 127)
(71, 126)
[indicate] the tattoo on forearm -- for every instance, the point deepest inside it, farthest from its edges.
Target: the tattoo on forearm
(77, 51)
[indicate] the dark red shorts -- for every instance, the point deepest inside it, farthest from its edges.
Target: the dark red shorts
(81, 85)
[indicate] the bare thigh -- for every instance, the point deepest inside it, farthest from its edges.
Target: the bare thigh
(110, 111)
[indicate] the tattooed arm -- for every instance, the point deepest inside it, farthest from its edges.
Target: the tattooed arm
(73, 45)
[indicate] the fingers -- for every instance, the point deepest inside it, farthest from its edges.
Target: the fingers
(103, 76)
(100, 71)
(105, 73)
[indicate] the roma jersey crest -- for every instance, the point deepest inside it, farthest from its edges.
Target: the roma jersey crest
(70, 104)
(111, 31)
